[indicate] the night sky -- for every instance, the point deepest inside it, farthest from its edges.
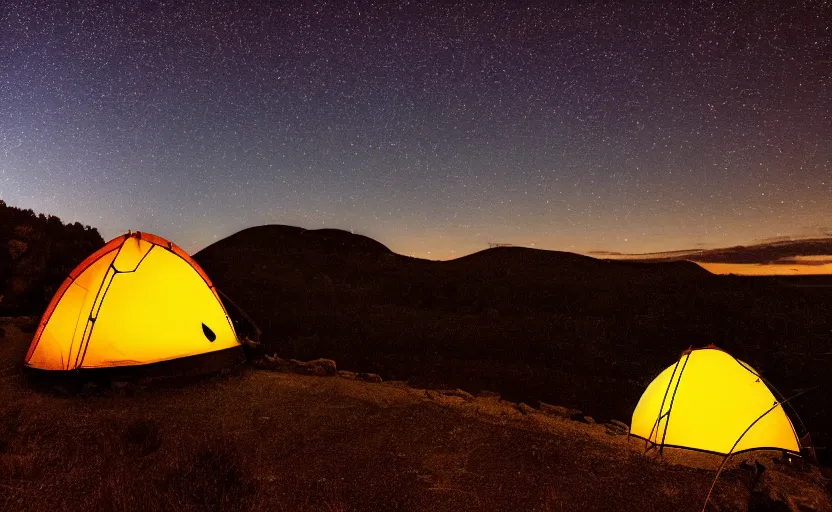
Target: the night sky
(433, 127)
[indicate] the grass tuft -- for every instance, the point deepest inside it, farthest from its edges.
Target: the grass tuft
(10, 423)
(213, 478)
(143, 437)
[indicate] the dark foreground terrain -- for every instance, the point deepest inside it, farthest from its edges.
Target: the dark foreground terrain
(530, 324)
(258, 440)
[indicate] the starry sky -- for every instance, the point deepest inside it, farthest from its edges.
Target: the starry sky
(434, 127)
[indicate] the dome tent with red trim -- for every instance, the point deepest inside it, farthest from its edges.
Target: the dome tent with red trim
(135, 303)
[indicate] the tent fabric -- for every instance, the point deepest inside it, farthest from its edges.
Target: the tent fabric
(138, 300)
(708, 401)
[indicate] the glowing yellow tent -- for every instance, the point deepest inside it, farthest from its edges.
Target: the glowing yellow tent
(708, 401)
(138, 300)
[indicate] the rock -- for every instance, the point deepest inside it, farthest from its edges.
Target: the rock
(484, 393)
(368, 377)
(431, 394)
(524, 408)
(318, 367)
(294, 366)
(620, 424)
(346, 375)
(263, 363)
(458, 392)
(273, 363)
(324, 367)
(558, 410)
(253, 350)
(614, 429)
(776, 490)
(396, 383)
(584, 419)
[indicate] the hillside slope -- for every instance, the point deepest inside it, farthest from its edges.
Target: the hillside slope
(262, 441)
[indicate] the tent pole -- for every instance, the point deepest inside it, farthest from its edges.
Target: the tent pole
(257, 330)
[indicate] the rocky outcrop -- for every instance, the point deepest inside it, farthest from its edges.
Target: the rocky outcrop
(317, 367)
(468, 397)
(616, 428)
(368, 377)
(783, 487)
(525, 408)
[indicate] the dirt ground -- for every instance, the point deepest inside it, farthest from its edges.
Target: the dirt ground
(259, 440)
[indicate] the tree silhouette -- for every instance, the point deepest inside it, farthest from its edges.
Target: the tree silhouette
(37, 252)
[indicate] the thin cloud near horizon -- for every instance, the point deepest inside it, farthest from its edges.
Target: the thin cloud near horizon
(815, 250)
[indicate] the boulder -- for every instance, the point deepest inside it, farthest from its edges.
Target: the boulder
(318, 367)
(620, 424)
(458, 393)
(262, 363)
(368, 377)
(273, 363)
(616, 429)
(431, 394)
(346, 375)
(524, 408)
(777, 490)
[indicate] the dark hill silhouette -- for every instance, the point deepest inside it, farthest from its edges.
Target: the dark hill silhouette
(287, 239)
(538, 262)
(532, 324)
(37, 252)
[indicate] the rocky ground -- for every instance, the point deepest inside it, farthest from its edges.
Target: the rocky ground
(268, 438)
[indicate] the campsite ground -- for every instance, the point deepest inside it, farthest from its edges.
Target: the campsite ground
(258, 440)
